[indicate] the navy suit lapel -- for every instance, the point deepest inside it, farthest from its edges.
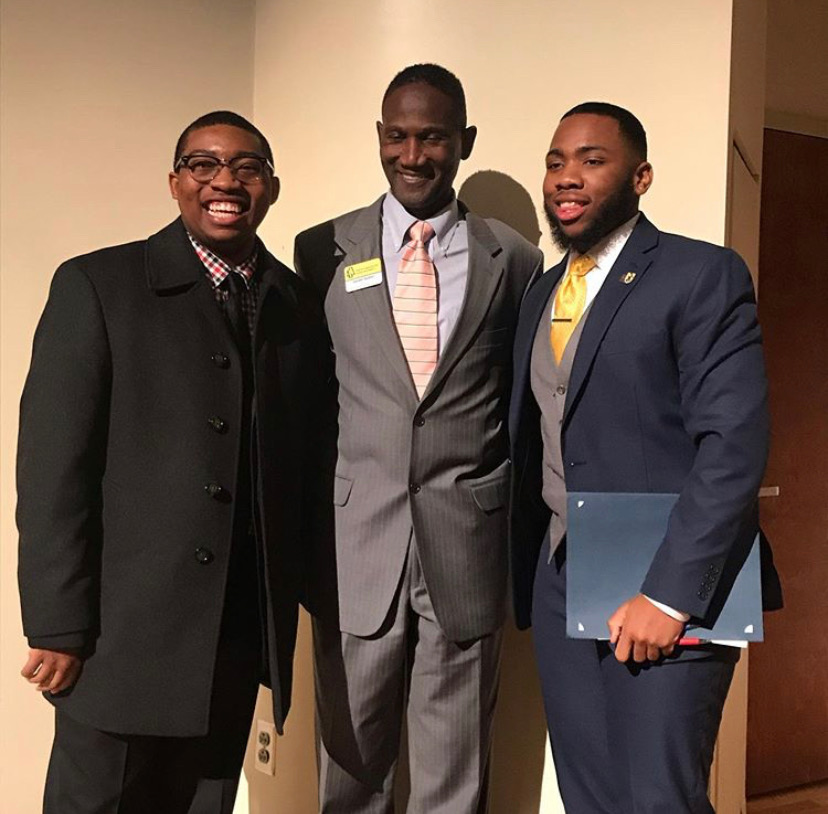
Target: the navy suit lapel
(624, 276)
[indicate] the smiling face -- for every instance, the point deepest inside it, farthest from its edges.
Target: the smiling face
(593, 180)
(422, 144)
(223, 214)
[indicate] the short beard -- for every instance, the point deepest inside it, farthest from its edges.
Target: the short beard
(615, 210)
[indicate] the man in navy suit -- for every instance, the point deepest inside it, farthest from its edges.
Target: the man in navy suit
(638, 368)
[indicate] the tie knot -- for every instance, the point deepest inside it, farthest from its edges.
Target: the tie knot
(582, 265)
(421, 231)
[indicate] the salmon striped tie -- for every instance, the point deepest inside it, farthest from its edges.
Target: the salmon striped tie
(415, 306)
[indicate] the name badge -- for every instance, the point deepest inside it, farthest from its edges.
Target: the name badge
(363, 275)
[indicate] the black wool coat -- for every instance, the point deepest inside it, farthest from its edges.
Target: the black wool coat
(132, 406)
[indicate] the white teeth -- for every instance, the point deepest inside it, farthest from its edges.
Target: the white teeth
(224, 206)
(568, 204)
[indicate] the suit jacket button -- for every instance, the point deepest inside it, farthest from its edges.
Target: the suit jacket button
(218, 424)
(419, 421)
(220, 360)
(415, 488)
(560, 390)
(217, 492)
(204, 556)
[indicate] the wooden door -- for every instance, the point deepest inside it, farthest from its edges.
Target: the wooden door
(788, 676)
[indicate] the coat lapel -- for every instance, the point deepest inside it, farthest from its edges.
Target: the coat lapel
(363, 242)
(275, 295)
(624, 276)
(483, 277)
(173, 269)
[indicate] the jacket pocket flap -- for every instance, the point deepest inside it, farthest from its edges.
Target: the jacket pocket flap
(492, 495)
(342, 490)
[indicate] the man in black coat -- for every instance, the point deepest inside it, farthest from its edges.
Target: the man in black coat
(169, 475)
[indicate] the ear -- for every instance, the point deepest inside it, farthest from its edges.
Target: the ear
(642, 178)
(467, 138)
(379, 133)
(173, 180)
(275, 188)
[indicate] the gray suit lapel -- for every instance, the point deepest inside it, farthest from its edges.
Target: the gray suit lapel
(363, 242)
(484, 274)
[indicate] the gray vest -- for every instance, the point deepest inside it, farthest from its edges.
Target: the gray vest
(550, 382)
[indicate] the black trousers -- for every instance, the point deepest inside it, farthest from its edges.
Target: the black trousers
(94, 772)
(626, 739)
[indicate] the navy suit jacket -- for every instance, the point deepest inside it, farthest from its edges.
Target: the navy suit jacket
(667, 394)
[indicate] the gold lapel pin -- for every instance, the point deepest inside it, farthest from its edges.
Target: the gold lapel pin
(628, 277)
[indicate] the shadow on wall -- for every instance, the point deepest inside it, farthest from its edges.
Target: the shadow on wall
(493, 194)
(520, 729)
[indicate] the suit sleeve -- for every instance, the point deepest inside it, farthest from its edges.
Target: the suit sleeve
(60, 464)
(723, 392)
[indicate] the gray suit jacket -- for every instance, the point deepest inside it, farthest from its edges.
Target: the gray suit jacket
(438, 466)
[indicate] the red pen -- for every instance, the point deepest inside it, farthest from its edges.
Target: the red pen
(691, 641)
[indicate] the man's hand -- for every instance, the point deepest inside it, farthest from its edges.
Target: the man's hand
(639, 629)
(52, 670)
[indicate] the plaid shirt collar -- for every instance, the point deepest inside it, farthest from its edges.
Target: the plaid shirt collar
(218, 269)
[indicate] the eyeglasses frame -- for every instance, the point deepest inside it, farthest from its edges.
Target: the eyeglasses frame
(182, 162)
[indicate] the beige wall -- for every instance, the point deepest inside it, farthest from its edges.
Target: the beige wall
(321, 69)
(93, 80)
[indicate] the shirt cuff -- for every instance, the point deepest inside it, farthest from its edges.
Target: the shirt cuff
(672, 612)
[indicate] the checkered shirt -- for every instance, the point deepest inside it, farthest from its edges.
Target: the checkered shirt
(218, 269)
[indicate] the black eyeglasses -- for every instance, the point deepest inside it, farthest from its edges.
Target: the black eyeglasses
(247, 169)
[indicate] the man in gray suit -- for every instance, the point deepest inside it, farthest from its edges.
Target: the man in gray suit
(421, 298)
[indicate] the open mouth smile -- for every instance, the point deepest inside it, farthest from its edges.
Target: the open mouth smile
(568, 211)
(224, 211)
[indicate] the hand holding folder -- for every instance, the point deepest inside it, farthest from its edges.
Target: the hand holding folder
(611, 541)
(640, 630)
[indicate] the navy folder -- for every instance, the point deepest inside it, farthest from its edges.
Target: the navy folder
(611, 539)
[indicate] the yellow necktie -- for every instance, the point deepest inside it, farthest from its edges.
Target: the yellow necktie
(569, 304)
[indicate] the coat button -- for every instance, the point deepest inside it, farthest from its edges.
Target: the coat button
(560, 390)
(220, 360)
(218, 424)
(204, 556)
(414, 488)
(217, 492)
(419, 421)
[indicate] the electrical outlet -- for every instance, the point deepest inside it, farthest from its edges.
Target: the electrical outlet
(265, 747)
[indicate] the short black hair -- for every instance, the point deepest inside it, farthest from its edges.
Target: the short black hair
(221, 117)
(437, 77)
(631, 128)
